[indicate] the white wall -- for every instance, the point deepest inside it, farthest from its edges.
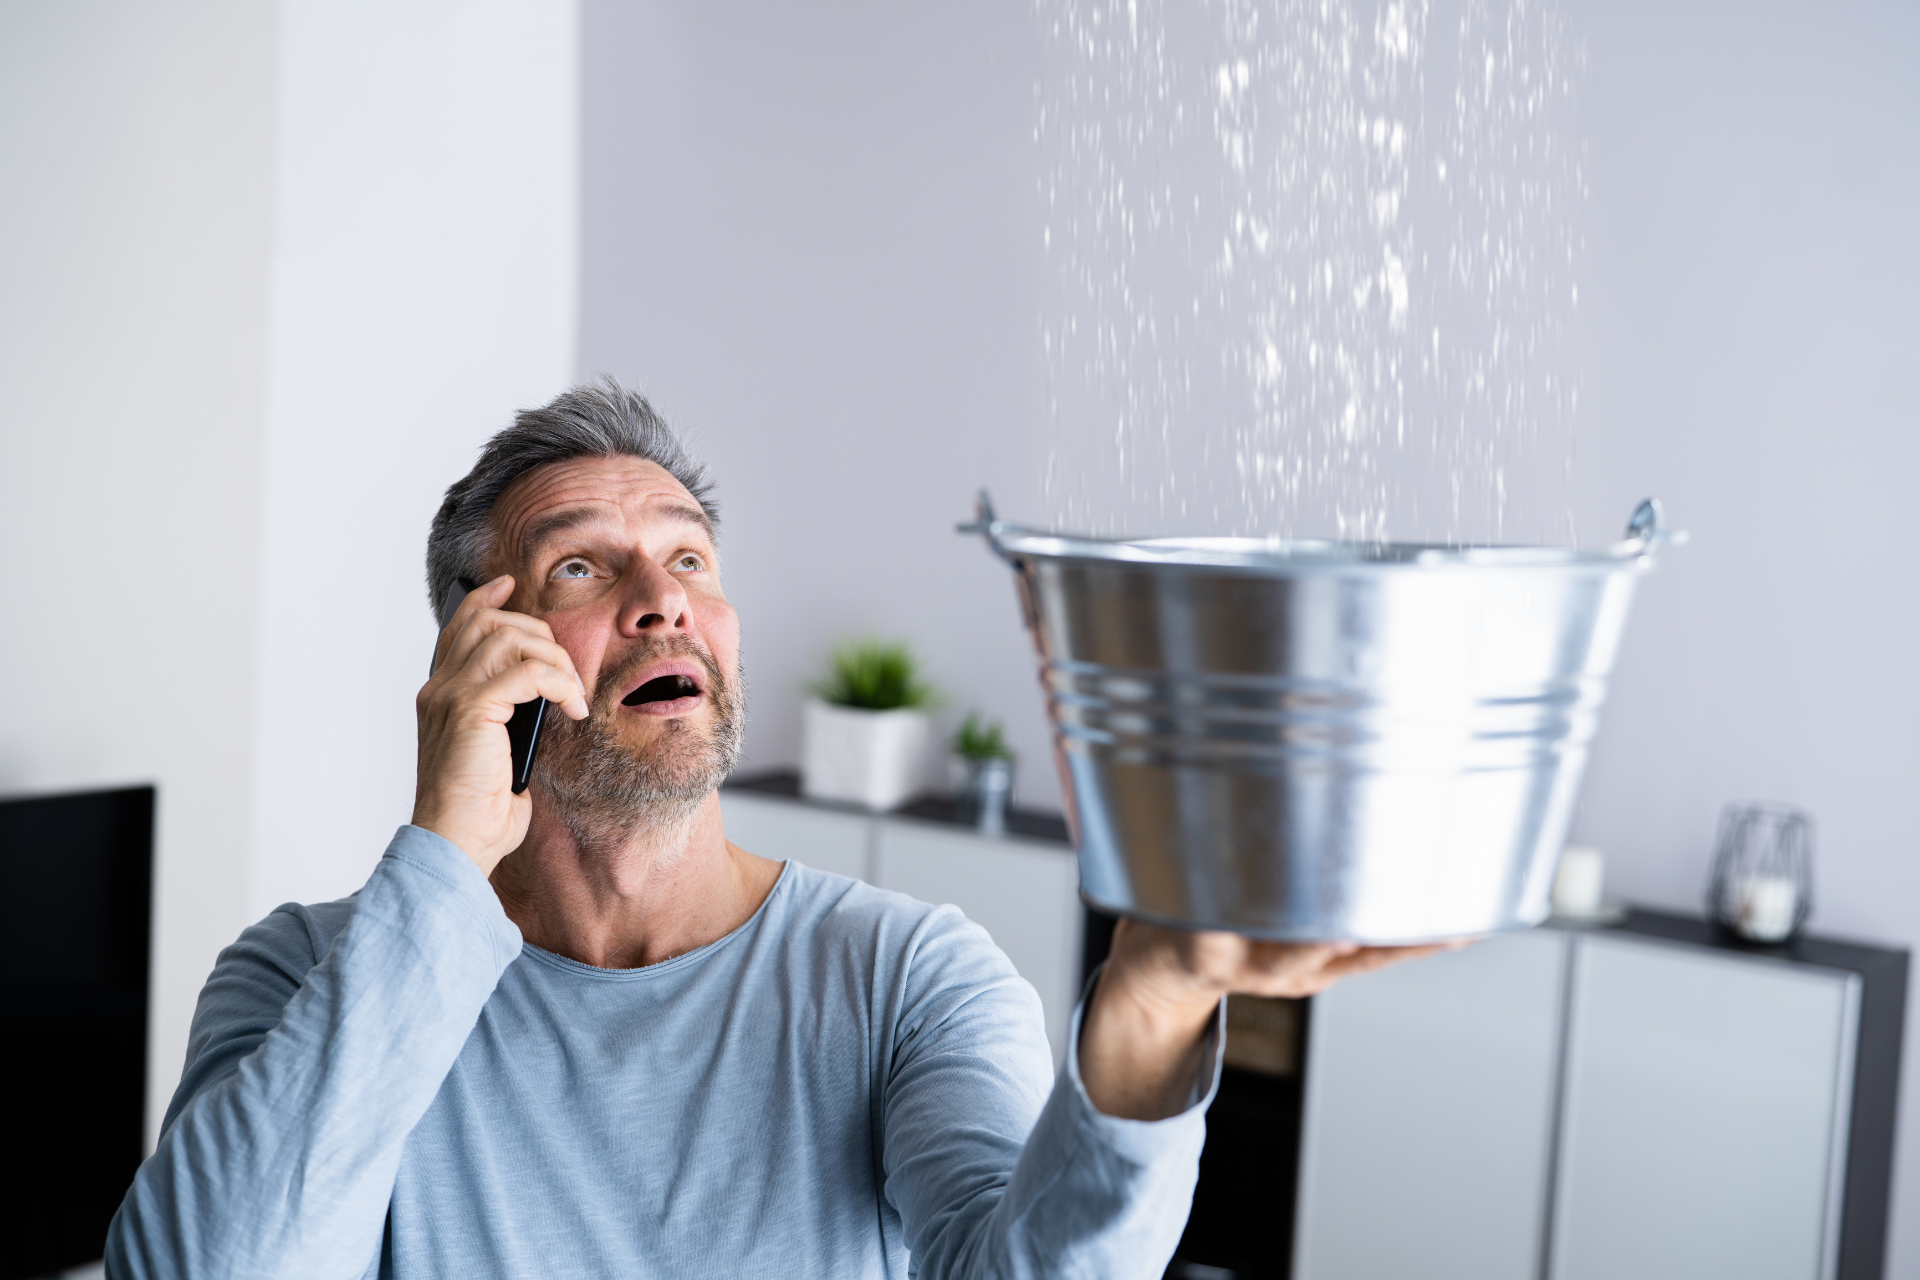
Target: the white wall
(810, 234)
(136, 154)
(1753, 356)
(424, 271)
(268, 276)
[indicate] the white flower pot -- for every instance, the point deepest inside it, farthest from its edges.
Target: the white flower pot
(870, 758)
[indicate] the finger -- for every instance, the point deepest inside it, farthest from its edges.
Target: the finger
(473, 632)
(1295, 957)
(491, 595)
(485, 596)
(1368, 959)
(504, 646)
(523, 682)
(508, 646)
(1282, 968)
(528, 637)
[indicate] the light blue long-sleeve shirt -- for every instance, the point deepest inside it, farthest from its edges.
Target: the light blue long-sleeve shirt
(852, 1083)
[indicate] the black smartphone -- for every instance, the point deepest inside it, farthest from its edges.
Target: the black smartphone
(523, 727)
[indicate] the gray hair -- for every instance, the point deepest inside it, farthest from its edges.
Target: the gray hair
(594, 420)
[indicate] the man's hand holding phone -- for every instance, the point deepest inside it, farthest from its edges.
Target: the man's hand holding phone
(487, 661)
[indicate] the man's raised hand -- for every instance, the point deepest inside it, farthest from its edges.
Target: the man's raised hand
(487, 661)
(1141, 1035)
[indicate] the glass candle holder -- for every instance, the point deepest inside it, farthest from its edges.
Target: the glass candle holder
(1762, 882)
(986, 785)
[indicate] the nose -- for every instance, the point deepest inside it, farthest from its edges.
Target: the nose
(656, 603)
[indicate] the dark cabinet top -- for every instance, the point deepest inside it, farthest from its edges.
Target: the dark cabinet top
(1862, 958)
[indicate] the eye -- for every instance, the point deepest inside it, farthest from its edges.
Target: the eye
(572, 567)
(689, 563)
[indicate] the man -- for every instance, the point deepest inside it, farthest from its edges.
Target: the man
(577, 1032)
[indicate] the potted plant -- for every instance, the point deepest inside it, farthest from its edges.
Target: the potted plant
(866, 727)
(984, 769)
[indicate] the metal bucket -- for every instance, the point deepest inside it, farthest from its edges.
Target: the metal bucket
(1378, 742)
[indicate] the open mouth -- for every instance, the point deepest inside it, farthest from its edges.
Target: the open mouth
(662, 689)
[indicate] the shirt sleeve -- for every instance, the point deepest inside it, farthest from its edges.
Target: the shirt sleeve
(307, 1068)
(995, 1175)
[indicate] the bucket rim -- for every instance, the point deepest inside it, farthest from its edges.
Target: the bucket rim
(1306, 555)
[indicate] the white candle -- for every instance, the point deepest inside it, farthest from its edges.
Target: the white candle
(1578, 881)
(1765, 907)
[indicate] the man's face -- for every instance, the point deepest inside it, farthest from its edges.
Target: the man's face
(617, 557)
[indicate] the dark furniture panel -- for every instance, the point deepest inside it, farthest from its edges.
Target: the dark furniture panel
(75, 902)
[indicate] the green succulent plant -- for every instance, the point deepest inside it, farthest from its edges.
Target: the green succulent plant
(875, 675)
(980, 740)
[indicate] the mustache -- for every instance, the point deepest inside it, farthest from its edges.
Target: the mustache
(612, 681)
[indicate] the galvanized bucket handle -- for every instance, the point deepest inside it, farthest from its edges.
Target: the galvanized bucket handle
(990, 526)
(1647, 529)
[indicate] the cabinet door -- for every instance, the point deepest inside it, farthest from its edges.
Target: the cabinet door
(781, 829)
(1700, 1133)
(1427, 1128)
(1025, 894)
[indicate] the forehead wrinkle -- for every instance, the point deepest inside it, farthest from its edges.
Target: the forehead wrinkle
(554, 522)
(537, 529)
(518, 530)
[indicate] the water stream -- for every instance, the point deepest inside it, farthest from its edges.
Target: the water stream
(1314, 267)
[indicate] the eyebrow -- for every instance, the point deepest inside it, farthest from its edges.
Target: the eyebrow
(558, 522)
(691, 515)
(573, 517)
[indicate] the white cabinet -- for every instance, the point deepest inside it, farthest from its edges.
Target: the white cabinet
(1703, 1131)
(1428, 1117)
(1643, 1101)
(825, 839)
(1023, 893)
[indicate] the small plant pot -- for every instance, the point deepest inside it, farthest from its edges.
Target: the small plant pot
(856, 756)
(986, 785)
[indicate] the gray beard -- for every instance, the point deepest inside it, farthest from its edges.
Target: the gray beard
(607, 791)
